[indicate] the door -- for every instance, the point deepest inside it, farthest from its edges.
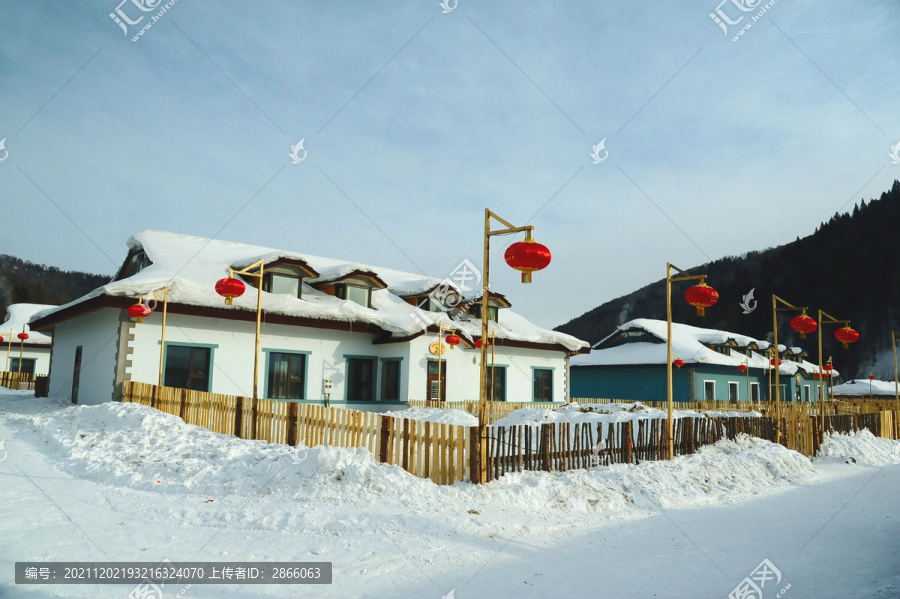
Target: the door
(76, 374)
(437, 391)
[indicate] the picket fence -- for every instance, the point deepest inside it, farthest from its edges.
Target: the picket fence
(447, 453)
(15, 380)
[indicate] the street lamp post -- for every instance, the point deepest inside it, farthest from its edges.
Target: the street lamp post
(706, 297)
(775, 310)
(826, 318)
(525, 256)
(22, 337)
(141, 311)
(231, 288)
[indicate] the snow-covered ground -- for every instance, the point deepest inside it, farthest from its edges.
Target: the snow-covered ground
(123, 482)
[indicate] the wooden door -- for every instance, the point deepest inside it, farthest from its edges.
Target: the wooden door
(436, 391)
(76, 375)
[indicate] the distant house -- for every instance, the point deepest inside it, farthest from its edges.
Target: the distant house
(631, 364)
(35, 351)
(350, 333)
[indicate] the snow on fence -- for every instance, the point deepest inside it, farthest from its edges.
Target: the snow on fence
(21, 381)
(447, 453)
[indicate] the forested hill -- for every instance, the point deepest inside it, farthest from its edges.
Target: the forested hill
(25, 282)
(848, 267)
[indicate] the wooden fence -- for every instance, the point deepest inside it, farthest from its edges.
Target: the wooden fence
(429, 450)
(446, 453)
(15, 380)
(499, 409)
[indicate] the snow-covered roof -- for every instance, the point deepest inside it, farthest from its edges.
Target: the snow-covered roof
(860, 387)
(190, 266)
(18, 315)
(688, 343)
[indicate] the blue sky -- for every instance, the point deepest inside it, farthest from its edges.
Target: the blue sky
(418, 119)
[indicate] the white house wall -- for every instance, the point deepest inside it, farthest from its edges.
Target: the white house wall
(463, 371)
(41, 357)
(97, 333)
(233, 346)
(232, 353)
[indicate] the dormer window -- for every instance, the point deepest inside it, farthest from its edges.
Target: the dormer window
(492, 314)
(355, 293)
(281, 283)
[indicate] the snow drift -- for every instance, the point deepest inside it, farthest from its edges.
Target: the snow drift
(133, 446)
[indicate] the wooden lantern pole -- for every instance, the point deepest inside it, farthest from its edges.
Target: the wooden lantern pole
(21, 350)
(485, 302)
(775, 310)
(670, 440)
(896, 385)
(825, 318)
(258, 275)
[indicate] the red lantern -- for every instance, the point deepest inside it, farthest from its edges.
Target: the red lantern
(527, 256)
(678, 362)
(742, 368)
(772, 362)
(871, 377)
(230, 288)
(453, 340)
(816, 375)
(478, 343)
(846, 335)
(139, 311)
(1, 339)
(827, 368)
(22, 336)
(804, 325)
(701, 296)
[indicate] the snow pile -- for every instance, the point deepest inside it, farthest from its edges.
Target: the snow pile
(863, 387)
(439, 415)
(864, 447)
(133, 446)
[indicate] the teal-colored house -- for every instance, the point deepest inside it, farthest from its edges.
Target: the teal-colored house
(631, 364)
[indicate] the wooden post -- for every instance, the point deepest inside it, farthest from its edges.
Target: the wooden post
(626, 442)
(385, 439)
(474, 455)
(238, 416)
(293, 411)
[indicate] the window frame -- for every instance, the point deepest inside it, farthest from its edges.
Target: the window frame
(754, 386)
(24, 360)
(505, 379)
(374, 360)
(268, 352)
(544, 370)
(345, 295)
(268, 282)
(737, 393)
(475, 311)
(705, 394)
(212, 357)
(383, 382)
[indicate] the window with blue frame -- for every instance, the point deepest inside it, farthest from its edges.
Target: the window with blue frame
(360, 379)
(187, 367)
(543, 384)
(27, 365)
(390, 380)
(498, 382)
(287, 376)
